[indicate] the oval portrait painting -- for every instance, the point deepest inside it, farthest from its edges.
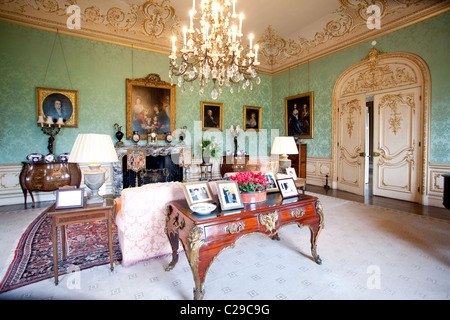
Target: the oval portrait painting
(57, 105)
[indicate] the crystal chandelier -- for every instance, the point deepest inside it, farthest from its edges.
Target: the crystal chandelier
(213, 52)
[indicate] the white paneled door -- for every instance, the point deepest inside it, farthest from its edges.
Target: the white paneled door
(397, 144)
(351, 144)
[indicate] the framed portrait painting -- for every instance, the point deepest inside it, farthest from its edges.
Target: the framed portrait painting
(252, 118)
(58, 103)
(211, 115)
(151, 106)
(299, 111)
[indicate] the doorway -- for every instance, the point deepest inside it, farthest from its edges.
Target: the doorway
(380, 127)
(368, 189)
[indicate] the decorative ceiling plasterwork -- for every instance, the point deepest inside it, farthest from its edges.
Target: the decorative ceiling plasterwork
(150, 24)
(350, 28)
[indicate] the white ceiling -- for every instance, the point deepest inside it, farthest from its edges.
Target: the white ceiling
(289, 17)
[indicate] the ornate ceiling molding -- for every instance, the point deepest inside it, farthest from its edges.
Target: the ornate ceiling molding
(149, 24)
(348, 29)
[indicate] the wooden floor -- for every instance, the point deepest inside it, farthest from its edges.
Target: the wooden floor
(434, 212)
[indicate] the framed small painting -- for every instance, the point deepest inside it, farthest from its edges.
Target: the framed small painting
(69, 198)
(291, 173)
(229, 195)
(287, 187)
(252, 118)
(211, 115)
(299, 112)
(58, 103)
(198, 192)
(273, 187)
(151, 105)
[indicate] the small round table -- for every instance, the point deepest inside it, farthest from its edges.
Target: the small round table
(207, 171)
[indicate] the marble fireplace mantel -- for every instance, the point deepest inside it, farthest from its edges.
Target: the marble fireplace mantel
(151, 150)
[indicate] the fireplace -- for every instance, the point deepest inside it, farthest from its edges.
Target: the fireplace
(158, 157)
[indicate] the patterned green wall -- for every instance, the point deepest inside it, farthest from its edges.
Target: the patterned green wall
(430, 39)
(98, 71)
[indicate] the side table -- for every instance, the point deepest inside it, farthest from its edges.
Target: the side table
(88, 213)
(207, 170)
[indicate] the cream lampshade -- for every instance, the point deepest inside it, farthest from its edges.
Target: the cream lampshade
(284, 146)
(93, 149)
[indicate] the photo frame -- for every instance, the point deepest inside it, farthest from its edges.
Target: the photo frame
(69, 198)
(252, 118)
(299, 116)
(229, 195)
(211, 115)
(287, 187)
(291, 173)
(198, 192)
(273, 187)
(151, 104)
(58, 103)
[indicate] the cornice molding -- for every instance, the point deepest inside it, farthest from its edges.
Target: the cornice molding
(151, 24)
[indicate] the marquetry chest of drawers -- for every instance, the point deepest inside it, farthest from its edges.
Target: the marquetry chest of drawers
(42, 176)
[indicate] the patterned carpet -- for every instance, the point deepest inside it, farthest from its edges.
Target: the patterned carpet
(368, 253)
(86, 245)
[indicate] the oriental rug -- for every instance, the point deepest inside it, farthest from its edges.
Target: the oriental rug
(86, 243)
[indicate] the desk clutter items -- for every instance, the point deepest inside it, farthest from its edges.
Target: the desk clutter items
(203, 208)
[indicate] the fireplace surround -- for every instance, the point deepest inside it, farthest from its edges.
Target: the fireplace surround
(158, 157)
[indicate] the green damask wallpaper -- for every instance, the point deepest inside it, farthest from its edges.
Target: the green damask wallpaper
(430, 39)
(98, 71)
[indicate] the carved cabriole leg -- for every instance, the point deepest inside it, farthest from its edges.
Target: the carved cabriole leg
(194, 243)
(172, 234)
(315, 231)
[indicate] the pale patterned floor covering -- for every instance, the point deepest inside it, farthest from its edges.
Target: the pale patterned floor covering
(367, 252)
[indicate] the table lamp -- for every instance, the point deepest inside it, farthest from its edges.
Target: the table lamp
(93, 149)
(284, 146)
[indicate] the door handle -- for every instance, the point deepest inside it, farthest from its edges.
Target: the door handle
(362, 154)
(376, 154)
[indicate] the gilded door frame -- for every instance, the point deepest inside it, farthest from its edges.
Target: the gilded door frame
(380, 72)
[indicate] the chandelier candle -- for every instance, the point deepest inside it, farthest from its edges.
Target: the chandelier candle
(213, 52)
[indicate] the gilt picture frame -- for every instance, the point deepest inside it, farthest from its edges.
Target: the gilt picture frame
(211, 115)
(299, 116)
(58, 103)
(151, 104)
(252, 118)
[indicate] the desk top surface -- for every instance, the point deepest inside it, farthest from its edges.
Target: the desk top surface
(106, 204)
(274, 201)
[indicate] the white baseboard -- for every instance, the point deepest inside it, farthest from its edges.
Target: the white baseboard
(316, 171)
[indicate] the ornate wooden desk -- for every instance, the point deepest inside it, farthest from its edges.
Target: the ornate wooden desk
(204, 236)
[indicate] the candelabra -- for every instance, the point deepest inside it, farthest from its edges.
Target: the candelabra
(235, 133)
(51, 129)
(214, 51)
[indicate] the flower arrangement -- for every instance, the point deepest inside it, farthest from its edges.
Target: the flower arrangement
(209, 148)
(250, 181)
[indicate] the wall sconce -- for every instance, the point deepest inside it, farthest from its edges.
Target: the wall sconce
(51, 129)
